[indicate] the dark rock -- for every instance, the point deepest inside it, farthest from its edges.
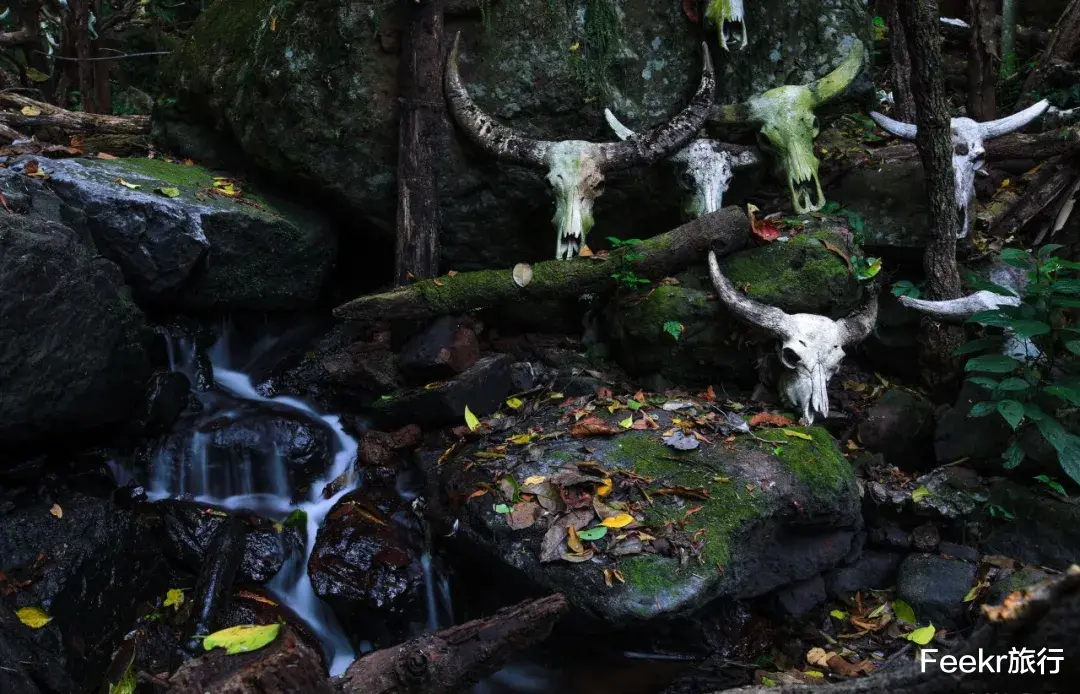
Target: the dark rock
(935, 588)
(926, 537)
(338, 136)
(890, 536)
(189, 253)
(72, 343)
(189, 528)
(166, 397)
(950, 492)
(256, 605)
(442, 350)
(89, 570)
(1012, 581)
(892, 203)
(900, 426)
(977, 438)
(874, 570)
(955, 551)
(526, 375)
(1044, 530)
(28, 668)
(366, 560)
(214, 587)
(482, 388)
(801, 597)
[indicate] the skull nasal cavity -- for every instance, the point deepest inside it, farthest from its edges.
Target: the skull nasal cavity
(790, 357)
(962, 149)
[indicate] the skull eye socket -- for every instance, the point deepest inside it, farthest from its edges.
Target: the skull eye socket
(961, 149)
(789, 357)
(815, 124)
(764, 142)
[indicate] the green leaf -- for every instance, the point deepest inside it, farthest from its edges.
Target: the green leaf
(1000, 317)
(983, 344)
(984, 381)
(991, 287)
(674, 328)
(470, 419)
(242, 639)
(174, 596)
(903, 612)
(1012, 456)
(1065, 302)
(838, 614)
(993, 363)
(296, 519)
(1015, 257)
(1048, 250)
(1029, 328)
(905, 288)
(922, 636)
(502, 508)
(1012, 384)
(593, 534)
(981, 409)
(168, 192)
(1073, 346)
(1066, 285)
(1012, 412)
(919, 493)
(1069, 457)
(1070, 393)
(128, 681)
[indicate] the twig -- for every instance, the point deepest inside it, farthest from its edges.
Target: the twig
(107, 57)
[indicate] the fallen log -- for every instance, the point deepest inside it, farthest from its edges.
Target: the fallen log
(724, 231)
(1054, 178)
(69, 121)
(453, 659)
(1046, 615)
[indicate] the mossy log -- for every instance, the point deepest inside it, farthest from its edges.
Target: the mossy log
(452, 659)
(724, 231)
(69, 121)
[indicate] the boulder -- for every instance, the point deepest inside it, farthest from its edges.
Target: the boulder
(892, 202)
(88, 565)
(874, 570)
(1011, 581)
(799, 598)
(72, 343)
(441, 350)
(900, 426)
(1041, 529)
(734, 520)
(197, 250)
(935, 588)
(338, 134)
(957, 435)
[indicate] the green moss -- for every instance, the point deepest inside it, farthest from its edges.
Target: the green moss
(817, 463)
(649, 574)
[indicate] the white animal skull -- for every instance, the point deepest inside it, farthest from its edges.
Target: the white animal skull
(811, 347)
(729, 17)
(706, 168)
(969, 151)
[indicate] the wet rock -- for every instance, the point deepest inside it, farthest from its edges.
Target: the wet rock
(756, 522)
(890, 536)
(1012, 581)
(977, 438)
(517, 66)
(1043, 530)
(526, 375)
(366, 560)
(900, 426)
(28, 668)
(189, 528)
(242, 447)
(198, 250)
(874, 570)
(442, 350)
(482, 388)
(955, 551)
(73, 344)
(255, 605)
(926, 537)
(214, 587)
(935, 588)
(88, 569)
(166, 397)
(801, 597)
(950, 492)
(892, 203)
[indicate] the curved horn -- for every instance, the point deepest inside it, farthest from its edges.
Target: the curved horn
(1008, 124)
(898, 128)
(964, 307)
(497, 139)
(838, 80)
(670, 137)
(858, 326)
(761, 315)
(623, 132)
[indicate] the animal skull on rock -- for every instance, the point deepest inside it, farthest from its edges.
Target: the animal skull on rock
(576, 168)
(729, 18)
(969, 151)
(811, 347)
(787, 126)
(706, 168)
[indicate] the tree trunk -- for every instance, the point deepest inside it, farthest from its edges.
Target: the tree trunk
(450, 660)
(71, 121)
(1064, 42)
(903, 101)
(725, 230)
(421, 134)
(102, 91)
(1008, 38)
(80, 23)
(934, 142)
(981, 74)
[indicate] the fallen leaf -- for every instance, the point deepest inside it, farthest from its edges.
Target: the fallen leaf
(592, 426)
(174, 597)
(578, 558)
(767, 418)
(761, 228)
(818, 656)
(627, 423)
(903, 612)
(57, 511)
(573, 541)
(797, 434)
(470, 419)
(521, 439)
(922, 636)
(585, 251)
(437, 283)
(620, 520)
(533, 479)
(514, 403)
(681, 442)
(919, 493)
(478, 493)
(168, 192)
(700, 493)
(603, 393)
(552, 546)
(501, 509)
(31, 167)
(35, 75)
(524, 515)
(33, 617)
(709, 394)
(838, 614)
(30, 111)
(832, 247)
(605, 488)
(106, 155)
(132, 186)
(593, 534)
(522, 274)
(242, 639)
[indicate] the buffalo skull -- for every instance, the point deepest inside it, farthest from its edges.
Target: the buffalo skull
(706, 168)
(576, 168)
(787, 126)
(969, 151)
(729, 18)
(811, 347)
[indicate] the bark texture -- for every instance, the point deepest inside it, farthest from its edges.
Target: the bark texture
(903, 101)
(724, 231)
(1064, 42)
(981, 101)
(70, 121)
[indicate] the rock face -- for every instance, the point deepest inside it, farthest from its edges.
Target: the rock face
(88, 570)
(1045, 531)
(194, 251)
(72, 342)
(892, 202)
(330, 67)
(900, 426)
(935, 588)
(734, 520)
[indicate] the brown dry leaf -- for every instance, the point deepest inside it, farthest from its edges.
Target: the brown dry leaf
(818, 656)
(478, 493)
(452, 273)
(31, 167)
(524, 515)
(57, 511)
(769, 419)
(832, 247)
(578, 558)
(603, 393)
(640, 397)
(437, 283)
(555, 538)
(842, 667)
(701, 493)
(592, 426)
(255, 596)
(107, 156)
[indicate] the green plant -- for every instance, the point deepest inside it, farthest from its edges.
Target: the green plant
(1053, 484)
(1037, 390)
(996, 510)
(624, 275)
(674, 328)
(906, 288)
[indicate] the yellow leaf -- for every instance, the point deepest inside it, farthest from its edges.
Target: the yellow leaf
(575, 45)
(613, 406)
(619, 520)
(555, 396)
(168, 192)
(627, 423)
(839, 614)
(814, 673)
(30, 111)
(922, 636)
(470, 419)
(605, 488)
(534, 479)
(797, 434)
(1005, 183)
(919, 493)
(132, 186)
(573, 541)
(972, 594)
(242, 639)
(36, 75)
(818, 656)
(514, 403)
(521, 439)
(33, 617)
(57, 511)
(432, 386)
(174, 597)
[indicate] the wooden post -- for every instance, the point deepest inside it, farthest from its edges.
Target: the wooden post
(420, 137)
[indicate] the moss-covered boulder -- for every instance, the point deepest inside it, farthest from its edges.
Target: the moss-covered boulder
(681, 332)
(309, 91)
(723, 518)
(181, 242)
